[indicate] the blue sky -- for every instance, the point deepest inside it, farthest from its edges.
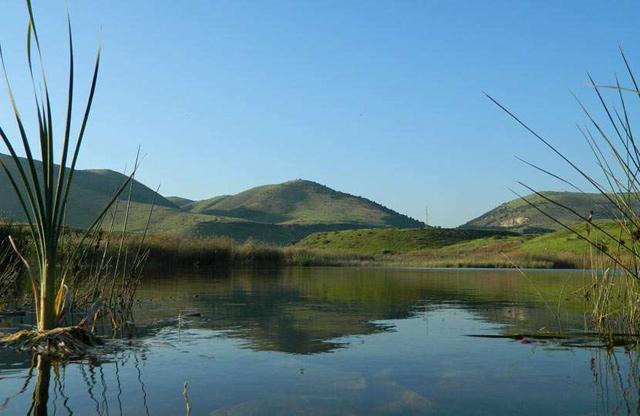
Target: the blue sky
(377, 98)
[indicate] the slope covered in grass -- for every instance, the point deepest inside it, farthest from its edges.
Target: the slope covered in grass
(302, 202)
(90, 193)
(518, 215)
(179, 201)
(558, 249)
(466, 248)
(277, 214)
(392, 240)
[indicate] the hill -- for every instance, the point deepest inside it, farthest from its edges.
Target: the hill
(302, 202)
(278, 214)
(436, 247)
(389, 241)
(179, 201)
(518, 215)
(91, 191)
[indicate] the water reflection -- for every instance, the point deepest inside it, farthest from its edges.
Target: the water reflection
(616, 378)
(40, 401)
(615, 383)
(337, 341)
(304, 311)
(95, 386)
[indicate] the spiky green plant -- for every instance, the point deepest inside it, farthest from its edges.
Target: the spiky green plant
(615, 256)
(44, 195)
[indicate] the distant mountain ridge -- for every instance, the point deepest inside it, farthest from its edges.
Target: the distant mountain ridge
(281, 213)
(518, 215)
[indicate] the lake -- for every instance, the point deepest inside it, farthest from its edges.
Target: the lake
(341, 341)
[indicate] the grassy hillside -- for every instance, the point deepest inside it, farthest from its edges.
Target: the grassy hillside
(91, 191)
(393, 240)
(561, 249)
(302, 202)
(201, 206)
(464, 248)
(276, 214)
(179, 201)
(517, 215)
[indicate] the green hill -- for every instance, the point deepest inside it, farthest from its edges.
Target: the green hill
(518, 215)
(91, 191)
(200, 206)
(179, 201)
(278, 214)
(467, 247)
(393, 240)
(303, 202)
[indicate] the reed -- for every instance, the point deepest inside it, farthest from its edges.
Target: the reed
(164, 251)
(9, 269)
(614, 257)
(44, 192)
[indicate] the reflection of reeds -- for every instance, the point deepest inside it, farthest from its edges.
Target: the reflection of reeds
(40, 401)
(187, 402)
(616, 381)
(615, 257)
(46, 379)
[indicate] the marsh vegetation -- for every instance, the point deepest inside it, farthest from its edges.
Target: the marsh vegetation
(241, 326)
(59, 279)
(614, 256)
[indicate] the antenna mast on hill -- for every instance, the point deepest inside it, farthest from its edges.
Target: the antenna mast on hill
(426, 216)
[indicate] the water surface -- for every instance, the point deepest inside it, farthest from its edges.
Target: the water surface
(341, 341)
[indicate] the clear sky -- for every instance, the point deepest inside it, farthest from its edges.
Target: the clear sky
(377, 98)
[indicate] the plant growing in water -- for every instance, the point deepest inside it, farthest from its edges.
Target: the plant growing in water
(44, 192)
(614, 293)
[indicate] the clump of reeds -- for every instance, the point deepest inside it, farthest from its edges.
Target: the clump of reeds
(614, 293)
(175, 252)
(43, 191)
(62, 341)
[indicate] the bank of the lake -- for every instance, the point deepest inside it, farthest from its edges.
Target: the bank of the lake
(431, 247)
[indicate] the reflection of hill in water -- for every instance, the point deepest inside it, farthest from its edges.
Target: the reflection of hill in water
(304, 311)
(297, 313)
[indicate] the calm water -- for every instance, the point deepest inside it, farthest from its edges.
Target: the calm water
(341, 341)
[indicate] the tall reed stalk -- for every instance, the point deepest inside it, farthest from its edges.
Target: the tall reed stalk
(9, 270)
(44, 193)
(614, 293)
